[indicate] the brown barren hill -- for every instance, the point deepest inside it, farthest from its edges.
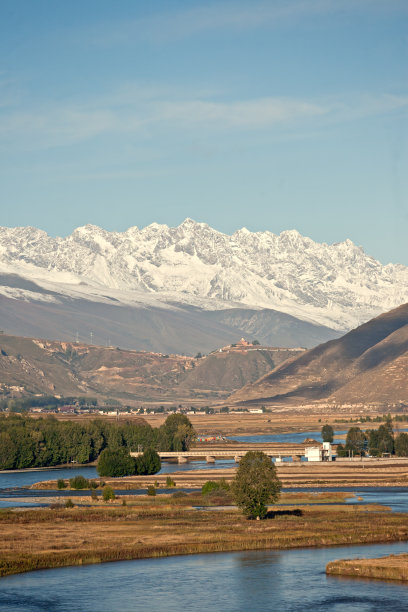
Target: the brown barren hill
(29, 366)
(231, 368)
(369, 364)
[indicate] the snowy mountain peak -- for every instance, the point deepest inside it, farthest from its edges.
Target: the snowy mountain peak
(335, 285)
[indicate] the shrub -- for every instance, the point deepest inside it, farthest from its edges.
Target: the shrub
(115, 463)
(124, 502)
(212, 485)
(179, 494)
(209, 486)
(170, 482)
(94, 495)
(93, 484)
(108, 493)
(218, 497)
(151, 490)
(78, 482)
(69, 503)
(61, 484)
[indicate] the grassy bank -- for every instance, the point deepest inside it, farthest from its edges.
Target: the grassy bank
(394, 567)
(152, 527)
(367, 473)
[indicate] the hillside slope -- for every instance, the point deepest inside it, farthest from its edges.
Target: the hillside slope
(41, 366)
(179, 329)
(369, 364)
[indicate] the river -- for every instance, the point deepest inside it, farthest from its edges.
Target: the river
(25, 478)
(259, 581)
(295, 437)
(288, 581)
(11, 482)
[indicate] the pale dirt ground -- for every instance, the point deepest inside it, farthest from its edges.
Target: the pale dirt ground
(255, 424)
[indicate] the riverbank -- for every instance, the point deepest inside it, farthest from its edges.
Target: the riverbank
(156, 527)
(393, 567)
(193, 499)
(362, 473)
(62, 466)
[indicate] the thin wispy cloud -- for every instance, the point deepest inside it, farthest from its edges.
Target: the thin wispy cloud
(56, 126)
(230, 16)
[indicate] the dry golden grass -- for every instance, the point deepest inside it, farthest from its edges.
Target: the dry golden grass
(156, 527)
(258, 424)
(394, 567)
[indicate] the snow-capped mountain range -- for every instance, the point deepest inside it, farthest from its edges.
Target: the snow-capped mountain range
(338, 285)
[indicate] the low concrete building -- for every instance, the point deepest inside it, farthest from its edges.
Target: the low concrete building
(319, 453)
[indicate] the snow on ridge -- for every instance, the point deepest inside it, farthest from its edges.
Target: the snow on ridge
(336, 285)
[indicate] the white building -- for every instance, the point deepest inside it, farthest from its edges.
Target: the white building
(319, 453)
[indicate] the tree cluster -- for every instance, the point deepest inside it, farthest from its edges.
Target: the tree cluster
(26, 442)
(50, 402)
(118, 462)
(375, 441)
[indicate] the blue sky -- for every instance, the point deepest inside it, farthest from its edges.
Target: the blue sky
(271, 115)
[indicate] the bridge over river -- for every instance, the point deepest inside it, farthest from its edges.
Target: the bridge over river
(211, 454)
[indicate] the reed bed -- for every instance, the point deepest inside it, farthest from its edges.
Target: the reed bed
(49, 538)
(393, 567)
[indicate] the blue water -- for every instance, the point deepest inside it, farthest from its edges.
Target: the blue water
(27, 478)
(288, 438)
(298, 437)
(256, 581)
(395, 498)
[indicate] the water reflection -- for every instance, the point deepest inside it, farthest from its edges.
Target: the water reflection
(287, 581)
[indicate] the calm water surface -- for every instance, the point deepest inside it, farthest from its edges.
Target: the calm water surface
(284, 581)
(295, 437)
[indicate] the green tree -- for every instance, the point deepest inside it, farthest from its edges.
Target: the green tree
(115, 463)
(256, 484)
(148, 463)
(8, 452)
(401, 445)
(388, 424)
(381, 441)
(179, 432)
(356, 440)
(327, 433)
